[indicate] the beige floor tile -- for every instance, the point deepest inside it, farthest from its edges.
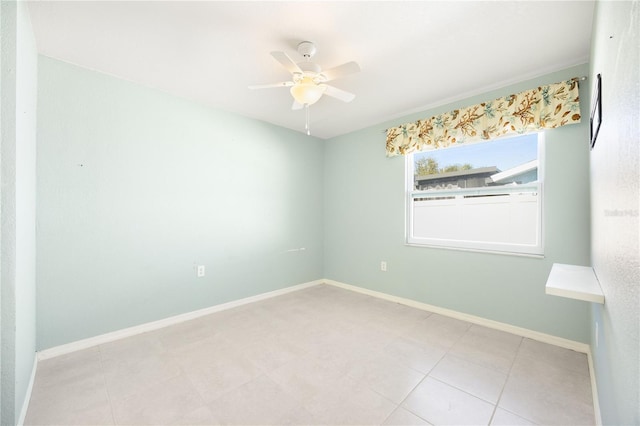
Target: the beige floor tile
(269, 353)
(327, 335)
(352, 335)
(438, 329)
(314, 337)
(388, 316)
(179, 335)
(199, 353)
(133, 348)
(241, 336)
(164, 403)
(371, 338)
(305, 377)
(201, 416)
(504, 418)
(402, 318)
(322, 355)
(480, 381)
(348, 402)
(342, 359)
(76, 399)
(301, 309)
(554, 356)
(125, 377)
(419, 356)
(548, 393)
(490, 348)
(51, 414)
(441, 404)
(387, 377)
(402, 417)
(259, 402)
(70, 368)
(216, 374)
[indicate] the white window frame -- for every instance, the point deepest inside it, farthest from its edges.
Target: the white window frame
(534, 250)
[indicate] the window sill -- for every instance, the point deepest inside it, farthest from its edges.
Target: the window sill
(474, 250)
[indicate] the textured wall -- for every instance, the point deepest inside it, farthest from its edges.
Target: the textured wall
(365, 224)
(615, 189)
(18, 153)
(26, 106)
(136, 188)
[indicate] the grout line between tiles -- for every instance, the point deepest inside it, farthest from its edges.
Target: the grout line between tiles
(427, 374)
(448, 352)
(400, 405)
(106, 388)
(513, 362)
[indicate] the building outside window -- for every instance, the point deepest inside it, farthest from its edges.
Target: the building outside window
(482, 196)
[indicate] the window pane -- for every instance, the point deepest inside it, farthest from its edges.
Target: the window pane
(500, 162)
(484, 196)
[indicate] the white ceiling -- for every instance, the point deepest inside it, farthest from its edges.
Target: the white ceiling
(413, 54)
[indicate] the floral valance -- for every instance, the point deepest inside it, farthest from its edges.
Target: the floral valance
(544, 107)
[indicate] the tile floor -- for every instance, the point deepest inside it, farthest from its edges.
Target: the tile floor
(322, 355)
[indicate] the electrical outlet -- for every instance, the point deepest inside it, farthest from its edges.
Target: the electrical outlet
(200, 271)
(383, 266)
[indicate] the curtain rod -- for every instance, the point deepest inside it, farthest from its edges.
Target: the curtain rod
(582, 78)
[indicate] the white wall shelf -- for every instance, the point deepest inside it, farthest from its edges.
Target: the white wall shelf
(574, 282)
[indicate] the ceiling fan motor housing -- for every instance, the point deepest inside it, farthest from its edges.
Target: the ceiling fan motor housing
(307, 49)
(309, 69)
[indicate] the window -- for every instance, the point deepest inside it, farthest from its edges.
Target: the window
(483, 196)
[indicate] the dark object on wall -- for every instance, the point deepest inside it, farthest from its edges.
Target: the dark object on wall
(596, 111)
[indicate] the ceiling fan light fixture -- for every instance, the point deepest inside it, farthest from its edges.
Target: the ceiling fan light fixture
(307, 83)
(307, 92)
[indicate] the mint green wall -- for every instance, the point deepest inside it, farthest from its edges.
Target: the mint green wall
(18, 213)
(615, 194)
(365, 224)
(137, 187)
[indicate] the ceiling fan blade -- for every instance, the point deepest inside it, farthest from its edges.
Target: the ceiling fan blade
(286, 62)
(334, 92)
(341, 70)
(296, 106)
(268, 86)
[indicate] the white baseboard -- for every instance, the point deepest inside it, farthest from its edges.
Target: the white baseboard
(155, 325)
(524, 332)
(594, 390)
(27, 397)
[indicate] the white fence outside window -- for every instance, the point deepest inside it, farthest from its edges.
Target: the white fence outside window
(504, 218)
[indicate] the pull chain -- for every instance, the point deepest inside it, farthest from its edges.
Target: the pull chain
(306, 124)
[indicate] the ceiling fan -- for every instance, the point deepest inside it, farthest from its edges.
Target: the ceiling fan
(308, 79)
